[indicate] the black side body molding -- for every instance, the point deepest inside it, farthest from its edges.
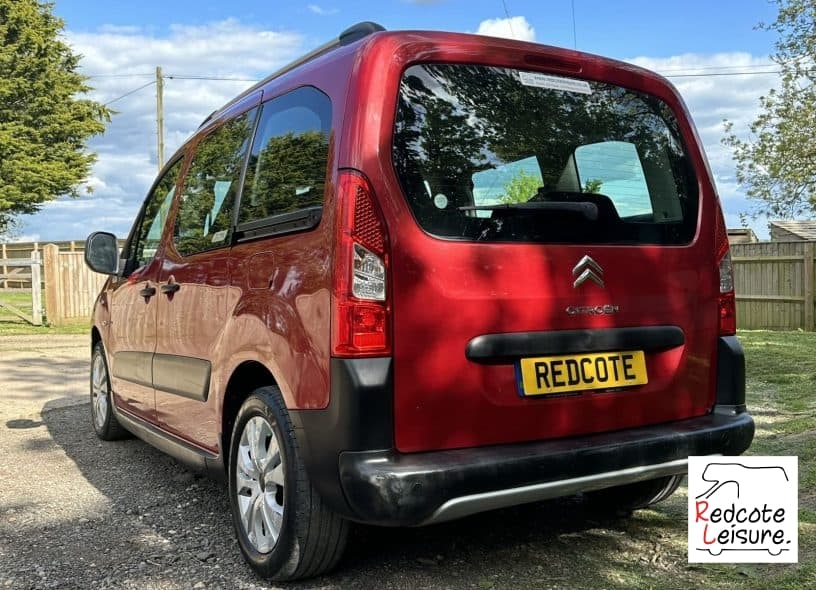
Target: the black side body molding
(182, 375)
(504, 349)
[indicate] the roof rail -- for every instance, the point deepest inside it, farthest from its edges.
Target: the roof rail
(347, 37)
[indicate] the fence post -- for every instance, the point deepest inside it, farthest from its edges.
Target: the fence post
(809, 287)
(36, 289)
(5, 268)
(51, 268)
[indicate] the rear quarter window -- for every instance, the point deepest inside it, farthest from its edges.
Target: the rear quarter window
(287, 165)
(497, 154)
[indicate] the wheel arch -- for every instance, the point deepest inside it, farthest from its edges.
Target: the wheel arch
(245, 378)
(96, 336)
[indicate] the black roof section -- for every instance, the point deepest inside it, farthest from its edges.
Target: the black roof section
(351, 35)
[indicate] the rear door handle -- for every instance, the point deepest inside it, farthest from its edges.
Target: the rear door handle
(170, 288)
(148, 292)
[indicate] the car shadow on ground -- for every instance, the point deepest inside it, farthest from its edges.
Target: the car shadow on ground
(171, 519)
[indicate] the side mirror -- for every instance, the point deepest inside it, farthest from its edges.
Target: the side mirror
(102, 253)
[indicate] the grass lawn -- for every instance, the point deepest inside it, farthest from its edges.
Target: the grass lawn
(781, 383)
(11, 325)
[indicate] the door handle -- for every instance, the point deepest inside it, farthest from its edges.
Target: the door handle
(170, 288)
(148, 291)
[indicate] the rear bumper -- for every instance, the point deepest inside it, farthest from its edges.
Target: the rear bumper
(349, 453)
(390, 488)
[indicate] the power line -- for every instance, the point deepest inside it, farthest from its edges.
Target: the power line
(714, 74)
(129, 92)
(744, 70)
(95, 76)
(212, 78)
(226, 79)
(509, 20)
(171, 76)
(694, 68)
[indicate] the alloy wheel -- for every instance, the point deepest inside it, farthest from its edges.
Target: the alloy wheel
(100, 392)
(259, 481)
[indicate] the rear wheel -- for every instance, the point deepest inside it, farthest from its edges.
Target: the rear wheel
(284, 530)
(105, 424)
(622, 500)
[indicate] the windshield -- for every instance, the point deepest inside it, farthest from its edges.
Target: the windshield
(475, 146)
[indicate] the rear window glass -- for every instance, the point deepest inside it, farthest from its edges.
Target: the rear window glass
(497, 154)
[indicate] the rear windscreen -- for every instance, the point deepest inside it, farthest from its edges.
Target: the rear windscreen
(497, 154)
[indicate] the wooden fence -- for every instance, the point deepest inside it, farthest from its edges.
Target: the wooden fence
(774, 282)
(11, 278)
(70, 286)
(13, 267)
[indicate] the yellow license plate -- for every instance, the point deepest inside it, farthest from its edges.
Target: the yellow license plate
(582, 372)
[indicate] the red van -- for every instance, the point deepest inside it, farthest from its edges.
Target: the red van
(418, 275)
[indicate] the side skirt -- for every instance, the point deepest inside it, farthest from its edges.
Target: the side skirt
(182, 451)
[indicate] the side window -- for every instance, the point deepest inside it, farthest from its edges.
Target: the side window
(204, 216)
(287, 166)
(613, 168)
(153, 218)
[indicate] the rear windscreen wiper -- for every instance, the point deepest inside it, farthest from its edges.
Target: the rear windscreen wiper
(588, 210)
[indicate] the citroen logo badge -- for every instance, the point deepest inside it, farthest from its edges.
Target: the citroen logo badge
(587, 269)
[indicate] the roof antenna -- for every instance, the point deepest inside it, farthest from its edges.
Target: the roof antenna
(574, 36)
(509, 20)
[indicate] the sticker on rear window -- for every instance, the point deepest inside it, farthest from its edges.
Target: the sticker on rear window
(554, 82)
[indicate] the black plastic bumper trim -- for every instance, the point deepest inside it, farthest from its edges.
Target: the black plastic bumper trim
(359, 417)
(390, 488)
(508, 348)
(730, 372)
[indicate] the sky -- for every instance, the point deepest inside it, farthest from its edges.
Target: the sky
(210, 51)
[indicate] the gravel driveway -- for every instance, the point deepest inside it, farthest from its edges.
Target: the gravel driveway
(79, 513)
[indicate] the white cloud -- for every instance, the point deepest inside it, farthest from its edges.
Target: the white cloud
(320, 11)
(124, 58)
(515, 27)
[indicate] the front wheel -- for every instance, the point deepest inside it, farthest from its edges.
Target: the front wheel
(105, 424)
(284, 530)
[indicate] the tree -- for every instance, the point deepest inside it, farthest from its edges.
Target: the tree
(593, 185)
(44, 120)
(521, 188)
(777, 165)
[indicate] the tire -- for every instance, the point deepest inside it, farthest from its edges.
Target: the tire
(285, 531)
(623, 500)
(104, 421)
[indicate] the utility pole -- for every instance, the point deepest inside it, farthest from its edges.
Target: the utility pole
(160, 115)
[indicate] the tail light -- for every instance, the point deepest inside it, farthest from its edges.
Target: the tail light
(727, 301)
(361, 306)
